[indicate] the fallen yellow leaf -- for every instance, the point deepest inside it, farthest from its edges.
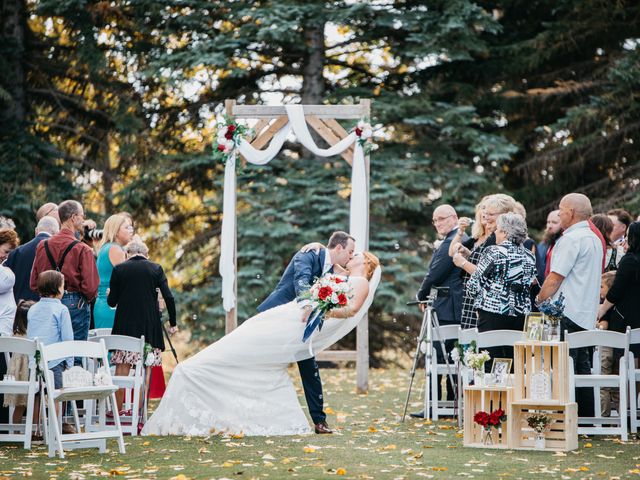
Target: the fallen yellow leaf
(373, 429)
(329, 411)
(341, 471)
(308, 450)
(587, 445)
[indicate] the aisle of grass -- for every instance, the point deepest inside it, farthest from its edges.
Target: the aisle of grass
(370, 442)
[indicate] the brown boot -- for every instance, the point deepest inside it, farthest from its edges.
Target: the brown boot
(322, 428)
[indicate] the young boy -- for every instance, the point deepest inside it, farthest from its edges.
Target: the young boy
(50, 322)
(608, 358)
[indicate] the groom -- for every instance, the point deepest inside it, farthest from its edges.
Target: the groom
(299, 275)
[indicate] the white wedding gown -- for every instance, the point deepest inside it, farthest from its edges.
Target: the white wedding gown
(240, 383)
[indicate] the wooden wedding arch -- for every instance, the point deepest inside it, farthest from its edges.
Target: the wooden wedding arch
(323, 119)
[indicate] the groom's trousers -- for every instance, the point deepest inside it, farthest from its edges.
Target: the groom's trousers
(312, 386)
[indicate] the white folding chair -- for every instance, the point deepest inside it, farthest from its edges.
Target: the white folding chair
(99, 332)
(465, 337)
(634, 376)
(599, 425)
(133, 384)
(19, 346)
(94, 436)
(438, 406)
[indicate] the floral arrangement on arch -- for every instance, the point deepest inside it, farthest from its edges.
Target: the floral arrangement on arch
(489, 420)
(228, 136)
(364, 132)
(539, 422)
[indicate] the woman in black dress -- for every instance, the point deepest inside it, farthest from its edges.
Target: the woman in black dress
(623, 295)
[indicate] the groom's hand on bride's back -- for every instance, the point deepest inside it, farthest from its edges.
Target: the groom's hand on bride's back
(313, 246)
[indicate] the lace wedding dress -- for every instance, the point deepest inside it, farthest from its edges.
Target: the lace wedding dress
(240, 383)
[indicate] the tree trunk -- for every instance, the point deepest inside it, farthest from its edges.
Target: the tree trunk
(313, 87)
(12, 34)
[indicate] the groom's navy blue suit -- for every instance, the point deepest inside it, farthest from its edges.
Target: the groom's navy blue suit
(299, 275)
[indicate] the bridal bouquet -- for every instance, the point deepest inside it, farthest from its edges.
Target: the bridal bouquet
(325, 294)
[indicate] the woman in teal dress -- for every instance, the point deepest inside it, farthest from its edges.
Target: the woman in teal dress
(118, 231)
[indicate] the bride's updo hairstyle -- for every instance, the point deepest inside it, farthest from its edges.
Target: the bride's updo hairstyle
(371, 262)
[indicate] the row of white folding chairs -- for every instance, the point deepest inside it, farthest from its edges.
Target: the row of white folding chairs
(133, 383)
(628, 375)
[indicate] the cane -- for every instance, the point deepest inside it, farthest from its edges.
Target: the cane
(166, 335)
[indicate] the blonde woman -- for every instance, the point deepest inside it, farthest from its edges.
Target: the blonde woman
(118, 231)
(466, 255)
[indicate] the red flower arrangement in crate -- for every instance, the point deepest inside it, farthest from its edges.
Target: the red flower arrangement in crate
(488, 421)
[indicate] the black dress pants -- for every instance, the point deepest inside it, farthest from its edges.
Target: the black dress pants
(581, 358)
(312, 386)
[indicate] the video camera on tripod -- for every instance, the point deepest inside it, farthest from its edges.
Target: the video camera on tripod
(429, 322)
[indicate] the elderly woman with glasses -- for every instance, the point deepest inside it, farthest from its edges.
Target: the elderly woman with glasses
(117, 233)
(502, 280)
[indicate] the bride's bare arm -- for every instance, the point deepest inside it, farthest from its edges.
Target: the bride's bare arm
(361, 290)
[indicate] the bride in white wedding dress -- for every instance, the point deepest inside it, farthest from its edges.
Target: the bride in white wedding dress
(240, 384)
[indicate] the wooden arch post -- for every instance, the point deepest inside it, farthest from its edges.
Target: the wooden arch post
(323, 119)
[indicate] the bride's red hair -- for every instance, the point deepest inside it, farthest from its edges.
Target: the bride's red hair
(371, 262)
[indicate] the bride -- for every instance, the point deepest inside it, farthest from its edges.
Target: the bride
(240, 384)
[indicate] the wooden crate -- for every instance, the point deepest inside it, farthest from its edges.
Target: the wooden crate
(486, 399)
(532, 357)
(563, 435)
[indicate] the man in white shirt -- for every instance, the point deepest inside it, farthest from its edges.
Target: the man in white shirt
(576, 268)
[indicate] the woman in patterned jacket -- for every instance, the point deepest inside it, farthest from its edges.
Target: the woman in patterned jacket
(501, 283)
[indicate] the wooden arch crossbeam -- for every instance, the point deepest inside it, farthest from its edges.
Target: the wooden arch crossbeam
(323, 119)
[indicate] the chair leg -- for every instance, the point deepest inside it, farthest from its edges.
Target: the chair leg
(28, 422)
(116, 417)
(623, 407)
(633, 400)
(102, 405)
(76, 417)
(135, 410)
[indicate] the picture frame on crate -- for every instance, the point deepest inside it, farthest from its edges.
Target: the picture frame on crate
(501, 369)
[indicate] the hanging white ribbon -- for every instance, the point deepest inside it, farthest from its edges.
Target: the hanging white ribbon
(359, 209)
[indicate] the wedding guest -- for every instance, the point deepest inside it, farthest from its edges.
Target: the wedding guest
(8, 241)
(467, 254)
(529, 243)
(117, 233)
(609, 357)
(623, 296)
(64, 253)
(19, 364)
(552, 233)
(49, 209)
(20, 260)
(576, 267)
(49, 321)
(621, 220)
(443, 273)
(604, 224)
(501, 282)
(133, 292)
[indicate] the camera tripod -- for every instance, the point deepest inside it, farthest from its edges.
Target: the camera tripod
(429, 321)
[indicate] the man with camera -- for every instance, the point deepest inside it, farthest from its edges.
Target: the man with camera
(65, 253)
(443, 276)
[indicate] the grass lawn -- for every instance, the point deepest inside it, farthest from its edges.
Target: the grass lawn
(370, 443)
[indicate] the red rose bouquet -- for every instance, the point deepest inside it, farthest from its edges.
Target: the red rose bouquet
(326, 293)
(488, 420)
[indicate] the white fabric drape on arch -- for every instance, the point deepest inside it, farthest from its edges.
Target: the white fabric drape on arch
(359, 209)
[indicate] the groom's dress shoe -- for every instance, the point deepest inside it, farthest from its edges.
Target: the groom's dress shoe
(322, 428)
